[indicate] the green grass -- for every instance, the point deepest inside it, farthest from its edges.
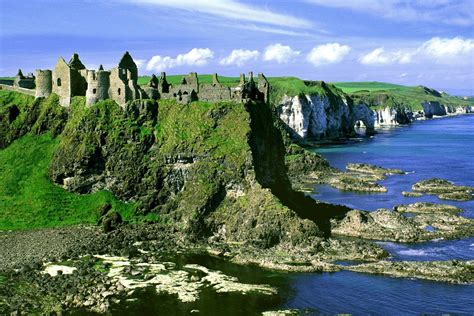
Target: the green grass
(351, 87)
(28, 199)
(381, 94)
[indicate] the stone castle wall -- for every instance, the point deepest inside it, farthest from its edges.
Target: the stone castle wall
(17, 89)
(120, 84)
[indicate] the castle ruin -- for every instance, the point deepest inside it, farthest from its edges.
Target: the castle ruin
(120, 84)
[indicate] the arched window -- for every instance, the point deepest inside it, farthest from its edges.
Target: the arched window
(58, 82)
(118, 91)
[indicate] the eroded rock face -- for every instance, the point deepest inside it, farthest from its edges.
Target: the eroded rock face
(315, 117)
(433, 108)
(363, 113)
(378, 225)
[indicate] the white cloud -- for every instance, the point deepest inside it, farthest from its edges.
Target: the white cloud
(239, 57)
(445, 48)
(231, 9)
(195, 57)
(441, 50)
(327, 54)
(453, 12)
(279, 53)
(140, 63)
(380, 57)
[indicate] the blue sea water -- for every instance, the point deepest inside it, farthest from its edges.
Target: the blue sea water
(436, 148)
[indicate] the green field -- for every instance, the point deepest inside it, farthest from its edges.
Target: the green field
(381, 94)
(351, 87)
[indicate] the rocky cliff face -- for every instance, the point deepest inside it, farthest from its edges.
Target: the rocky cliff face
(313, 116)
(320, 117)
(216, 170)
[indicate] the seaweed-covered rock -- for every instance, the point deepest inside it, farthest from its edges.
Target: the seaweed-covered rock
(453, 271)
(444, 189)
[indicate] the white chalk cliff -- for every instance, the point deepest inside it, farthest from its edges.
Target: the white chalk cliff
(317, 117)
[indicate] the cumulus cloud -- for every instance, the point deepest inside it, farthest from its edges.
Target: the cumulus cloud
(279, 53)
(381, 57)
(239, 57)
(195, 57)
(327, 54)
(441, 50)
(445, 48)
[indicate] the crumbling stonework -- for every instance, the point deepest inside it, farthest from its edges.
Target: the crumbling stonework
(21, 81)
(72, 79)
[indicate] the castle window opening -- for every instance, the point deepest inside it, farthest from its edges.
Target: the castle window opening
(118, 91)
(58, 82)
(94, 91)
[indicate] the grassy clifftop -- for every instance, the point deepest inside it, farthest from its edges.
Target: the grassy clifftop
(375, 94)
(381, 94)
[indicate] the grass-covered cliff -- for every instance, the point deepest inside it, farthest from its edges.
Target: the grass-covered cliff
(208, 169)
(381, 94)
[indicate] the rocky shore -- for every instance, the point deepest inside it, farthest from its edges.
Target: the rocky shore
(87, 269)
(444, 189)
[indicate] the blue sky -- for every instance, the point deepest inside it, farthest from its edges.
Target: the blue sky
(429, 42)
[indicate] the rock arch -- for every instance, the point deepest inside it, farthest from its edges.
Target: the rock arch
(362, 113)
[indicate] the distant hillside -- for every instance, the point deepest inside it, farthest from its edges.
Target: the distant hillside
(351, 87)
(381, 94)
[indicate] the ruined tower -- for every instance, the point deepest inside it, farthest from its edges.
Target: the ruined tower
(98, 84)
(62, 82)
(44, 83)
(263, 86)
(123, 81)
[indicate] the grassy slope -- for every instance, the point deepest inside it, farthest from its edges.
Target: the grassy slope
(28, 199)
(351, 87)
(381, 94)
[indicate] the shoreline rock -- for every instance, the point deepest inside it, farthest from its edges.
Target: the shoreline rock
(453, 271)
(444, 189)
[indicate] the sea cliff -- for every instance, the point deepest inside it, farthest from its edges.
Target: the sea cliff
(325, 112)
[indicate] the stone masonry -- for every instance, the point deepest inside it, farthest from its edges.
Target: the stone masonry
(71, 79)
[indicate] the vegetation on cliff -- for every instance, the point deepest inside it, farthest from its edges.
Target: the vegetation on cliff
(381, 95)
(202, 167)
